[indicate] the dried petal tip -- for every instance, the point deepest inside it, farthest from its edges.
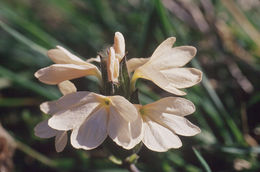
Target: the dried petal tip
(119, 45)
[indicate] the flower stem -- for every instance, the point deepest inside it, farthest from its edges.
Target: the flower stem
(132, 168)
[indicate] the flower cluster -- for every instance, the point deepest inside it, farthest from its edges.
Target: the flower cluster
(115, 111)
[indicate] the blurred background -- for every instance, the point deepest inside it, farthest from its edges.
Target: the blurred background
(226, 34)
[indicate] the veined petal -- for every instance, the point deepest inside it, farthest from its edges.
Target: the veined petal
(73, 116)
(119, 45)
(171, 105)
(136, 128)
(135, 63)
(67, 87)
(66, 102)
(171, 79)
(177, 124)
(182, 77)
(61, 140)
(92, 132)
(157, 137)
(124, 108)
(63, 56)
(164, 46)
(57, 73)
(119, 129)
(43, 130)
(168, 57)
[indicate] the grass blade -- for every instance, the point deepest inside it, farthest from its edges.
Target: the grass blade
(202, 160)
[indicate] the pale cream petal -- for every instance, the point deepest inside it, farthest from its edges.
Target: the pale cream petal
(73, 138)
(97, 59)
(57, 73)
(172, 105)
(171, 79)
(112, 66)
(59, 57)
(73, 116)
(135, 63)
(182, 77)
(136, 128)
(119, 129)
(63, 56)
(66, 102)
(178, 124)
(159, 138)
(61, 140)
(67, 87)
(119, 45)
(92, 132)
(164, 46)
(168, 57)
(43, 130)
(124, 108)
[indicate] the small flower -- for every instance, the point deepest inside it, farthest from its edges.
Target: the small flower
(163, 119)
(92, 117)
(67, 67)
(164, 68)
(43, 130)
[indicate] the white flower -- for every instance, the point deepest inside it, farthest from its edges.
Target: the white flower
(163, 120)
(43, 130)
(92, 117)
(67, 67)
(164, 67)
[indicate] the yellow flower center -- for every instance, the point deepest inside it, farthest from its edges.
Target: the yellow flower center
(105, 102)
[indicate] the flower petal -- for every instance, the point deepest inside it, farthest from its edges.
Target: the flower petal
(74, 115)
(57, 73)
(119, 129)
(112, 66)
(66, 102)
(63, 56)
(67, 87)
(119, 45)
(178, 124)
(168, 57)
(135, 63)
(172, 105)
(124, 108)
(159, 138)
(92, 132)
(171, 79)
(136, 128)
(61, 140)
(94, 59)
(43, 130)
